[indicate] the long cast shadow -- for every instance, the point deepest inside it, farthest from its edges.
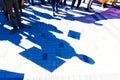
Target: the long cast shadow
(52, 48)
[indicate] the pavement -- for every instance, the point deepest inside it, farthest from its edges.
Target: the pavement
(74, 45)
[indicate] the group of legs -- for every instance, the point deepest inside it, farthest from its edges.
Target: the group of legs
(16, 5)
(32, 1)
(13, 7)
(55, 4)
(90, 2)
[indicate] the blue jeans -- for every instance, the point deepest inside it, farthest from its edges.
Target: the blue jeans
(55, 5)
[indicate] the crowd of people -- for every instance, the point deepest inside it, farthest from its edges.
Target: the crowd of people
(9, 5)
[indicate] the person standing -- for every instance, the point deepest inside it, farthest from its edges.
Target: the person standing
(55, 6)
(10, 5)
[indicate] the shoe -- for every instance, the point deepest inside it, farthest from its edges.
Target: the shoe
(77, 8)
(14, 31)
(89, 10)
(54, 14)
(65, 9)
(21, 25)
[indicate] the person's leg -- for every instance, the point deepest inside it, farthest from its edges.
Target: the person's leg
(89, 4)
(73, 2)
(9, 6)
(16, 9)
(42, 1)
(32, 2)
(56, 5)
(64, 2)
(29, 1)
(53, 7)
(20, 7)
(79, 2)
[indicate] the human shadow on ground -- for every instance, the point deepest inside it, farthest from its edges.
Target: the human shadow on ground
(86, 18)
(53, 52)
(89, 17)
(52, 49)
(39, 14)
(110, 13)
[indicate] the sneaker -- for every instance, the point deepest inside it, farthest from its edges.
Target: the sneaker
(89, 10)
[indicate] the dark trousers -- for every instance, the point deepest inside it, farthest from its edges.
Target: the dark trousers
(89, 3)
(42, 1)
(31, 2)
(55, 5)
(64, 2)
(5, 13)
(13, 4)
(20, 7)
(73, 2)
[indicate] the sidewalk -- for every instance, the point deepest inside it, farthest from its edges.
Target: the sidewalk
(75, 45)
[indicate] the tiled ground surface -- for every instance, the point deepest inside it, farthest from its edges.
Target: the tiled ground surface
(75, 45)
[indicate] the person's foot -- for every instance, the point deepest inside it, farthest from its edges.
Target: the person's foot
(104, 5)
(20, 26)
(57, 12)
(72, 8)
(89, 9)
(54, 14)
(14, 30)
